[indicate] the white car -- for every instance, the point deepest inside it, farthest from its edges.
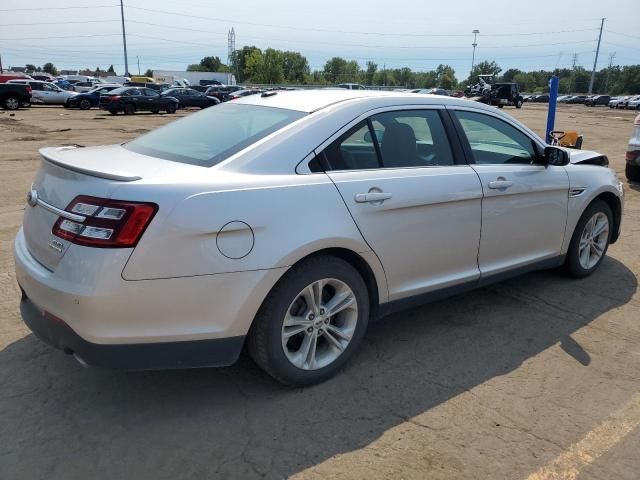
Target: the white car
(83, 87)
(46, 92)
(286, 220)
(634, 103)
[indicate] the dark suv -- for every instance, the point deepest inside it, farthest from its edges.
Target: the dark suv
(598, 101)
(132, 99)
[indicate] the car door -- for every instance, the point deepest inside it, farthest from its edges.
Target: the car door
(55, 95)
(150, 99)
(524, 206)
(38, 95)
(414, 200)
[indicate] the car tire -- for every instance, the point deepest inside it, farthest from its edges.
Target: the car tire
(129, 109)
(580, 248)
(84, 104)
(268, 343)
(155, 110)
(11, 103)
(519, 104)
(632, 172)
(113, 111)
(171, 108)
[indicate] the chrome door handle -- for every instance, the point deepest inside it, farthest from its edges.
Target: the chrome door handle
(500, 183)
(372, 197)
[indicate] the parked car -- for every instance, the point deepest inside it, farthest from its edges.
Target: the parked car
(576, 99)
(187, 97)
(222, 91)
(632, 169)
(633, 103)
(81, 87)
(613, 103)
(84, 101)
(242, 93)
(540, 98)
(351, 86)
(134, 99)
(5, 77)
(597, 101)
(155, 86)
(200, 88)
(45, 92)
(189, 241)
(64, 85)
(43, 77)
(13, 96)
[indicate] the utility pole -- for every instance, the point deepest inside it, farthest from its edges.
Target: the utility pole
(138, 60)
(573, 72)
(231, 48)
(1, 71)
(595, 62)
(124, 41)
(474, 45)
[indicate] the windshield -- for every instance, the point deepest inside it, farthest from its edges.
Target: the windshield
(214, 134)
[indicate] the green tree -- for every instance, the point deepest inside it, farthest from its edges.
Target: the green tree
(111, 69)
(295, 67)
(50, 68)
(30, 68)
(208, 64)
(148, 73)
(335, 69)
(446, 77)
(484, 68)
(370, 72)
(271, 70)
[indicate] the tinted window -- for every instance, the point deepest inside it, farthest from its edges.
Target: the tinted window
(494, 141)
(37, 86)
(410, 138)
(214, 134)
(150, 93)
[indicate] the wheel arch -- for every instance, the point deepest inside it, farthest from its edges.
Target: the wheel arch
(615, 205)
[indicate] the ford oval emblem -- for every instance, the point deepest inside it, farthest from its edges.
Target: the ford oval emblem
(32, 198)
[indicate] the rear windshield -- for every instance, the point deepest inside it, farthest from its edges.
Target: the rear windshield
(214, 134)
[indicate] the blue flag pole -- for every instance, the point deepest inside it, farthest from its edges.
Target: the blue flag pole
(554, 83)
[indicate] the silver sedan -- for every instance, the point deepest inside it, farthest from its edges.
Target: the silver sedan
(288, 220)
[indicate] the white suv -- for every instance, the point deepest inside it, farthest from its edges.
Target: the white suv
(46, 92)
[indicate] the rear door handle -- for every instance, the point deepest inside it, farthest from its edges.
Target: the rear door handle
(372, 197)
(500, 183)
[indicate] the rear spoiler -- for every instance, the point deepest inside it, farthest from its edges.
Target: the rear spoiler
(51, 155)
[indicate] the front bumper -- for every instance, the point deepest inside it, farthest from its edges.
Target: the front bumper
(142, 356)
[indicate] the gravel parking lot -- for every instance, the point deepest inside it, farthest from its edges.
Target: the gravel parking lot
(534, 378)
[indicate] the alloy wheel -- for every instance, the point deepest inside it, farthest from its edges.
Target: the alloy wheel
(319, 324)
(593, 240)
(12, 103)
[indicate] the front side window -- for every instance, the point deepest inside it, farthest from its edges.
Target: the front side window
(150, 93)
(494, 141)
(397, 139)
(213, 134)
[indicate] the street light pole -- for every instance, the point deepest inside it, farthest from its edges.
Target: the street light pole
(474, 45)
(138, 60)
(124, 41)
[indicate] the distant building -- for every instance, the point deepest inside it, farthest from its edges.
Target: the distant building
(194, 78)
(68, 72)
(19, 69)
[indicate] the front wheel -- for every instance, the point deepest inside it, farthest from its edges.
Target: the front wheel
(590, 240)
(171, 108)
(311, 323)
(519, 103)
(632, 172)
(129, 109)
(12, 103)
(84, 104)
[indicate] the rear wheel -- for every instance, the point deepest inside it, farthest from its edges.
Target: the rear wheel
(155, 110)
(590, 240)
(632, 172)
(170, 108)
(129, 109)
(311, 323)
(519, 103)
(12, 103)
(113, 111)
(84, 104)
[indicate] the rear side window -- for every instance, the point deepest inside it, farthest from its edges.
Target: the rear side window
(214, 134)
(398, 139)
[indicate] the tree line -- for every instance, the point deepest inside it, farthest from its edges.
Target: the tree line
(271, 66)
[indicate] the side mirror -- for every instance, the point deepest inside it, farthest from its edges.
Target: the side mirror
(555, 156)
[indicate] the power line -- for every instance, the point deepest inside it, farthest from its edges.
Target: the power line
(55, 8)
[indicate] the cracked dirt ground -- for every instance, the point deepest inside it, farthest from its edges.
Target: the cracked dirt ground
(537, 377)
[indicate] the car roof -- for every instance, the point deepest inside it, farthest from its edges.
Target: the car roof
(316, 99)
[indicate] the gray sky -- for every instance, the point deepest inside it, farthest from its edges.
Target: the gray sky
(169, 34)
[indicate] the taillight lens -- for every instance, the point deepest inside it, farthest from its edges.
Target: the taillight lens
(114, 98)
(107, 224)
(29, 90)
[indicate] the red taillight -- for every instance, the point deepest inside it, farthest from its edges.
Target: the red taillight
(632, 155)
(29, 89)
(107, 224)
(114, 98)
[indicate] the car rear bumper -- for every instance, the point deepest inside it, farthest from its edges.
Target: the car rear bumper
(142, 356)
(191, 321)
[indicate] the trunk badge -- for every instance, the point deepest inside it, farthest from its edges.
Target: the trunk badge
(32, 198)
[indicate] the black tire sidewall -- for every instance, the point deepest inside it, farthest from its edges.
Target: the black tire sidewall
(8, 99)
(269, 319)
(171, 108)
(129, 109)
(84, 104)
(573, 260)
(632, 172)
